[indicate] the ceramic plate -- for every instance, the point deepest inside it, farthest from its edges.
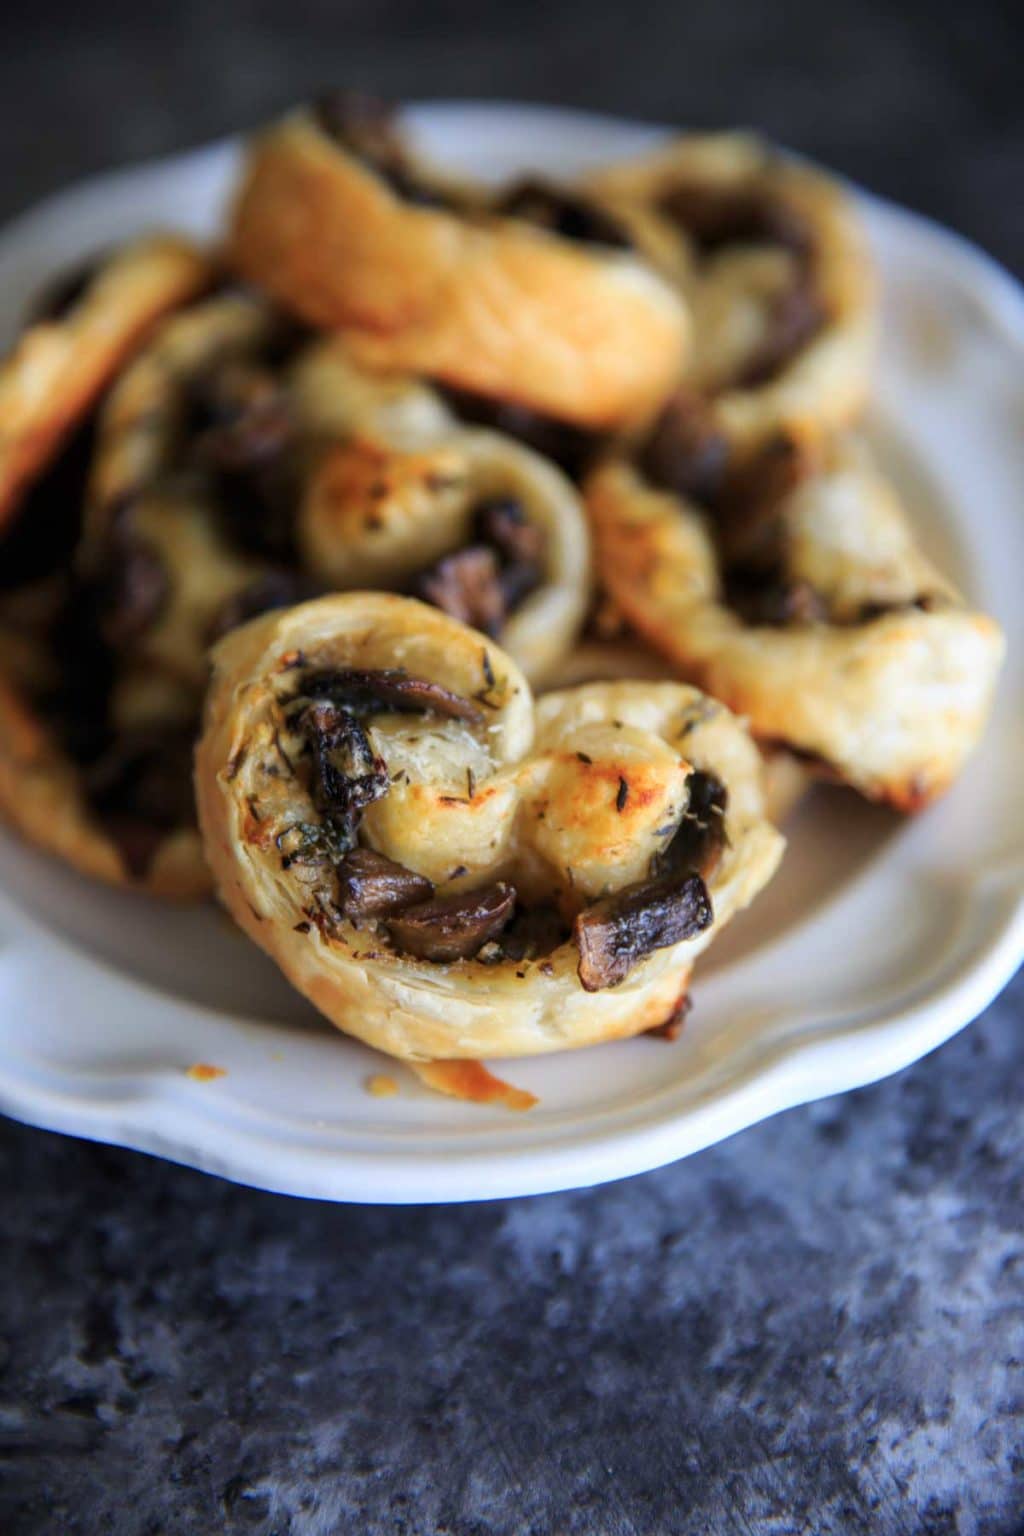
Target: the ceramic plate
(878, 939)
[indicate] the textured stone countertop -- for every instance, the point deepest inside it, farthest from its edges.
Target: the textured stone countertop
(817, 1327)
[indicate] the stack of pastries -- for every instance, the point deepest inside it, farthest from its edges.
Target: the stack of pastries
(462, 581)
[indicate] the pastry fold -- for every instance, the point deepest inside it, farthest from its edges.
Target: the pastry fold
(448, 869)
(810, 610)
(483, 294)
(68, 355)
(775, 267)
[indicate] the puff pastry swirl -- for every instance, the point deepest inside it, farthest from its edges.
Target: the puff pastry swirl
(448, 870)
(339, 223)
(775, 267)
(63, 361)
(810, 610)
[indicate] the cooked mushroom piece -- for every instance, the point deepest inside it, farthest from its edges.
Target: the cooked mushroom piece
(389, 690)
(453, 927)
(562, 213)
(347, 774)
(466, 585)
(714, 217)
(686, 452)
(371, 885)
(700, 837)
(793, 321)
(368, 128)
(613, 934)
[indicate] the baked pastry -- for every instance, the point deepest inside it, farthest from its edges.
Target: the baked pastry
(102, 664)
(474, 523)
(77, 342)
(532, 297)
(448, 870)
(113, 801)
(806, 605)
(784, 778)
(775, 267)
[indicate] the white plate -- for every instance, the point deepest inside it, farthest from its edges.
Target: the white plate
(878, 939)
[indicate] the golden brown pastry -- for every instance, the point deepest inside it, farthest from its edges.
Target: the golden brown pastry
(534, 298)
(448, 870)
(67, 356)
(806, 605)
(102, 659)
(774, 265)
(475, 524)
(784, 778)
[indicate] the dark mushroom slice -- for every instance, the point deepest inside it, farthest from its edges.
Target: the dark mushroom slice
(686, 452)
(564, 213)
(370, 885)
(503, 524)
(717, 216)
(453, 927)
(347, 773)
(534, 932)
(243, 436)
(485, 582)
(570, 447)
(386, 691)
(795, 319)
(769, 599)
(367, 127)
(714, 218)
(700, 838)
(466, 585)
(615, 933)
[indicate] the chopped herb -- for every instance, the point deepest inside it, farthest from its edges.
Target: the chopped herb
(622, 796)
(584, 758)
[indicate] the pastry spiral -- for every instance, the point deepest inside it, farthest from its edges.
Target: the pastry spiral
(338, 222)
(64, 359)
(448, 870)
(807, 606)
(775, 267)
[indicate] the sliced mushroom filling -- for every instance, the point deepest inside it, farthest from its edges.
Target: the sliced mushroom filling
(571, 448)
(483, 583)
(745, 509)
(568, 214)
(716, 218)
(242, 436)
(328, 712)
(367, 128)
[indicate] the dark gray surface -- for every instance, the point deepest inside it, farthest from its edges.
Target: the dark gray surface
(818, 1327)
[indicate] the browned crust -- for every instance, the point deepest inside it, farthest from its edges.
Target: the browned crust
(892, 707)
(826, 384)
(485, 303)
(418, 1009)
(57, 369)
